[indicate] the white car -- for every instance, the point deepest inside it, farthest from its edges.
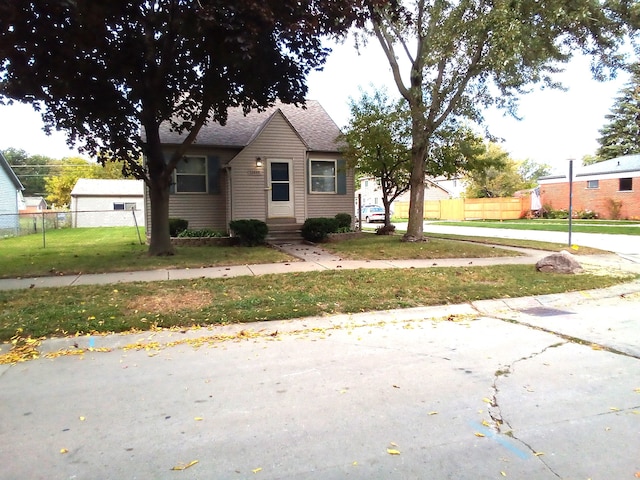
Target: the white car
(373, 213)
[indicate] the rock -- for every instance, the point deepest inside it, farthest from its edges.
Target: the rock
(562, 262)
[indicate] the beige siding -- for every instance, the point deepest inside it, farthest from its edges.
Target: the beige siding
(248, 182)
(328, 205)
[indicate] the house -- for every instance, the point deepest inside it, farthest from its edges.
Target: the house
(370, 192)
(281, 166)
(107, 203)
(10, 193)
(33, 205)
(611, 188)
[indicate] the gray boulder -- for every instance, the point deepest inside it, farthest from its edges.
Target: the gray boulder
(562, 262)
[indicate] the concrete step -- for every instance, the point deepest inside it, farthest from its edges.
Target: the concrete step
(284, 233)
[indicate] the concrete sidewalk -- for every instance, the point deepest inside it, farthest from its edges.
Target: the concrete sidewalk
(310, 258)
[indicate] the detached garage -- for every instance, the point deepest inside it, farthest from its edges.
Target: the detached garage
(107, 203)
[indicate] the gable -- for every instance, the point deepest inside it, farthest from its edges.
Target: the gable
(10, 174)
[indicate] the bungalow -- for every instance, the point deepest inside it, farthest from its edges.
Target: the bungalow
(107, 203)
(10, 193)
(33, 205)
(281, 166)
(611, 188)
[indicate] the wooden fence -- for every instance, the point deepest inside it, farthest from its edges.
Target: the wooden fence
(469, 209)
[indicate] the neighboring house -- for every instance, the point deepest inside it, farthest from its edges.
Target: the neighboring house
(280, 166)
(10, 193)
(107, 203)
(456, 186)
(610, 188)
(33, 205)
(371, 192)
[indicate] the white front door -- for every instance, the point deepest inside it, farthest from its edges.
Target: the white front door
(280, 188)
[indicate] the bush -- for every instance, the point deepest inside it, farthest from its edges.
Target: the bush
(177, 225)
(317, 229)
(615, 208)
(386, 230)
(551, 213)
(250, 232)
(202, 233)
(344, 221)
(585, 214)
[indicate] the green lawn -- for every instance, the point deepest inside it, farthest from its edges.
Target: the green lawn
(579, 226)
(115, 249)
(94, 309)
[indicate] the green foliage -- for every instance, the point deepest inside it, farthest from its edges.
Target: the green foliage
(548, 212)
(462, 57)
(621, 135)
(344, 220)
(316, 229)
(63, 177)
(250, 232)
(202, 233)
(30, 169)
(378, 142)
(177, 226)
(124, 69)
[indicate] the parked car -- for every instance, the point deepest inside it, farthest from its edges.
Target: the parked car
(373, 213)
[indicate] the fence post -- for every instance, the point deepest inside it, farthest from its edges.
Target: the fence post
(44, 236)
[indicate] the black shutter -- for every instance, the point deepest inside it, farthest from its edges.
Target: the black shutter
(213, 174)
(341, 177)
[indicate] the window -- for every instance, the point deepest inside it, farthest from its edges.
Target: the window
(323, 176)
(124, 206)
(593, 183)
(626, 184)
(191, 175)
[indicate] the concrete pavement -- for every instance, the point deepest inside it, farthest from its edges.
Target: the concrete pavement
(451, 392)
(312, 258)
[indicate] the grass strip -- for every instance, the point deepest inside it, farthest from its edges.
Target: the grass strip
(123, 307)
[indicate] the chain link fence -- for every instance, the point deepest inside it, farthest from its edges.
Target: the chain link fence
(39, 223)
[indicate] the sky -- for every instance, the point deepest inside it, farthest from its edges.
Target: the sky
(555, 126)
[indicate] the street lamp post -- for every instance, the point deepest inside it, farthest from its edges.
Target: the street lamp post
(570, 197)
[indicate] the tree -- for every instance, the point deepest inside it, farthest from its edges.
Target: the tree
(30, 169)
(621, 136)
(377, 143)
(466, 55)
(531, 171)
(61, 181)
(110, 74)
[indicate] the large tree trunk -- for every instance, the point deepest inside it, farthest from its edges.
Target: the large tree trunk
(160, 241)
(415, 227)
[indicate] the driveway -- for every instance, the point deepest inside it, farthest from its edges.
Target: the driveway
(487, 391)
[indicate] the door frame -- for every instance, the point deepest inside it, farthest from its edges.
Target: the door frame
(280, 209)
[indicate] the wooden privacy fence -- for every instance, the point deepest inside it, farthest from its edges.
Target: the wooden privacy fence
(509, 208)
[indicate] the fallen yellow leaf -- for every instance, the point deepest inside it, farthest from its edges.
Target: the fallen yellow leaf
(478, 434)
(614, 409)
(82, 419)
(433, 413)
(198, 419)
(183, 466)
(504, 474)
(355, 464)
(485, 423)
(64, 450)
(256, 470)
(538, 454)
(393, 451)
(486, 400)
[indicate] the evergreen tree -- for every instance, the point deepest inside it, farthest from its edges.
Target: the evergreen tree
(621, 136)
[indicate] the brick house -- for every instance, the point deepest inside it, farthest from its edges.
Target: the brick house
(610, 188)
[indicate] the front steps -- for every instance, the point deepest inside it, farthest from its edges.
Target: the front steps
(284, 230)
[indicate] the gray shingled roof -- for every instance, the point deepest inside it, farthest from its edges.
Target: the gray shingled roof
(624, 164)
(10, 173)
(313, 124)
(107, 187)
(628, 163)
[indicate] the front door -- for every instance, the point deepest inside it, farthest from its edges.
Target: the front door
(280, 189)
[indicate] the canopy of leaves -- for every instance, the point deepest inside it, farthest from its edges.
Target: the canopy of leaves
(110, 73)
(66, 173)
(466, 55)
(502, 176)
(621, 135)
(377, 142)
(30, 169)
